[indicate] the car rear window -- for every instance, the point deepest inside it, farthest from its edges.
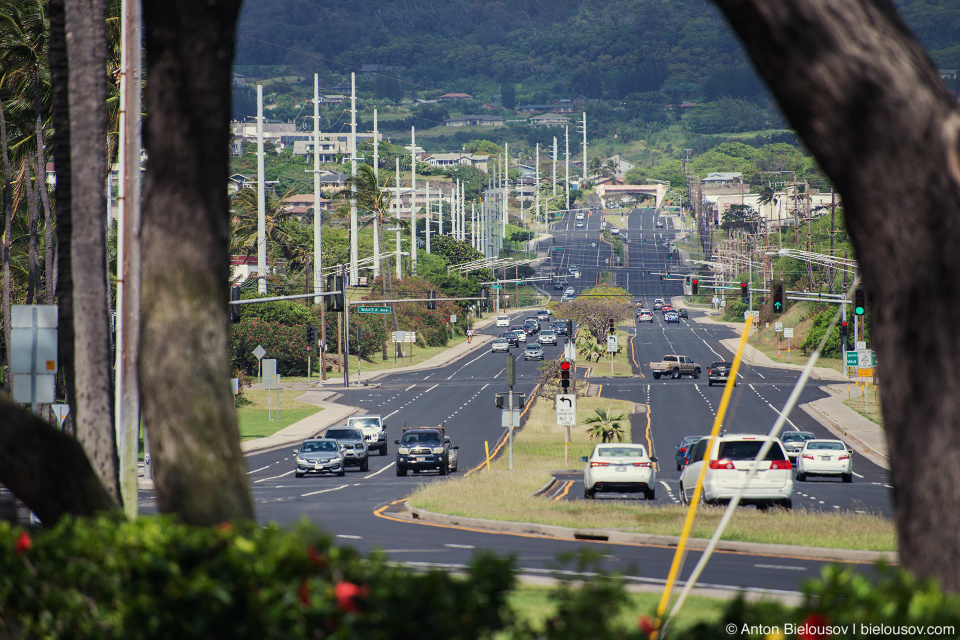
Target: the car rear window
(835, 446)
(344, 433)
(364, 422)
(747, 450)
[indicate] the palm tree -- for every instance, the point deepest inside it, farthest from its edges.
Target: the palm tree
(372, 200)
(605, 426)
(244, 226)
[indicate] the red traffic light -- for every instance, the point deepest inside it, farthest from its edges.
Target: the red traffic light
(565, 366)
(694, 286)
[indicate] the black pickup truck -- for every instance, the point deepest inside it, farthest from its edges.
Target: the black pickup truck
(422, 449)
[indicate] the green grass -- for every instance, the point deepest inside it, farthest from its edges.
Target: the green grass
(257, 420)
(873, 408)
(505, 495)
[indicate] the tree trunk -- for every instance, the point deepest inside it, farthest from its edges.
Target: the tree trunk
(33, 254)
(92, 365)
(200, 472)
(865, 97)
(7, 232)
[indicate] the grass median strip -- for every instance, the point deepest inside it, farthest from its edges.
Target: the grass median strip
(538, 448)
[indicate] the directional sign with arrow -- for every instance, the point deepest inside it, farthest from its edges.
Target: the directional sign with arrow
(566, 409)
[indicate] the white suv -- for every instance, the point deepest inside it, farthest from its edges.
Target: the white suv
(503, 321)
(730, 459)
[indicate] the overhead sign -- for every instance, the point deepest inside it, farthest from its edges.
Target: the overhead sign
(496, 286)
(373, 309)
(566, 409)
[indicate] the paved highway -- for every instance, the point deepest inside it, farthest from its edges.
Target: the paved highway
(360, 508)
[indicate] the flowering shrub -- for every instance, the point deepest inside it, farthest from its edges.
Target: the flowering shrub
(287, 344)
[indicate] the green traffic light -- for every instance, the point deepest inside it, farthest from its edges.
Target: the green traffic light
(858, 311)
(777, 306)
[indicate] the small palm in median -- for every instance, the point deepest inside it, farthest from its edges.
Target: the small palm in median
(605, 426)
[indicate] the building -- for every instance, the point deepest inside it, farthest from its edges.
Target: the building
(453, 159)
(728, 179)
(456, 96)
(549, 120)
(475, 121)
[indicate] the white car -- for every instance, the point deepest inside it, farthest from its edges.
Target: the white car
(454, 457)
(615, 231)
(619, 468)
(825, 458)
(580, 224)
(580, 215)
(503, 321)
(568, 292)
(501, 345)
(730, 459)
(644, 316)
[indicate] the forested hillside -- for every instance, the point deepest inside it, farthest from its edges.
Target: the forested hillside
(615, 49)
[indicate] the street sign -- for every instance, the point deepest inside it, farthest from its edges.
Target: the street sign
(778, 326)
(373, 309)
(61, 411)
(865, 373)
(864, 358)
(496, 286)
(33, 363)
(566, 409)
(852, 359)
(788, 332)
(510, 418)
(570, 351)
(259, 352)
(611, 344)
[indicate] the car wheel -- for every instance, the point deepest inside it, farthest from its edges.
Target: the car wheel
(383, 449)
(847, 477)
(401, 470)
(298, 474)
(696, 373)
(679, 468)
(365, 465)
(650, 494)
(444, 467)
(587, 494)
(656, 376)
(342, 472)
(676, 374)
(786, 503)
(683, 497)
(709, 383)
(801, 477)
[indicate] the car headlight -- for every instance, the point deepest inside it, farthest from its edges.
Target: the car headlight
(299, 460)
(438, 449)
(403, 451)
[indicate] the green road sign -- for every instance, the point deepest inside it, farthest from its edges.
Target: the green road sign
(852, 358)
(373, 309)
(558, 248)
(496, 286)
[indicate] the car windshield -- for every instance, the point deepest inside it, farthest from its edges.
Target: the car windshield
(313, 447)
(533, 347)
(621, 452)
(832, 446)
(427, 437)
(364, 422)
(345, 434)
(796, 437)
(746, 450)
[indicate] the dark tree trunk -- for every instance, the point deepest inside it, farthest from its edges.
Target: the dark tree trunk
(867, 100)
(188, 410)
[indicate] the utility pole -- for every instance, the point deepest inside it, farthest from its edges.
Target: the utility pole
(584, 149)
(536, 185)
(354, 226)
(566, 142)
(399, 275)
(413, 201)
(317, 223)
(554, 166)
(427, 207)
(261, 201)
(377, 240)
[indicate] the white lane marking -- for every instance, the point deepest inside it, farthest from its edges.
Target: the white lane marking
(390, 414)
(428, 377)
(467, 364)
(282, 475)
(856, 474)
(313, 493)
(410, 387)
(430, 389)
(268, 466)
(376, 473)
(780, 567)
(460, 546)
(349, 537)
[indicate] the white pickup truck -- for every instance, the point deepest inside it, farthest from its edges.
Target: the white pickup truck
(674, 366)
(374, 431)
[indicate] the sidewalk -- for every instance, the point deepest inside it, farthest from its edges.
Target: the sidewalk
(863, 434)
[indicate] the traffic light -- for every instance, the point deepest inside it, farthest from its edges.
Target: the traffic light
(661, 278)
(613, 328)
(565, 375)
(431, 299)
(843, 332)
(335, 302)
(694, 286)
(859, 302)
(744, 292)
(777, 294)
(234, 308)
(311, 336)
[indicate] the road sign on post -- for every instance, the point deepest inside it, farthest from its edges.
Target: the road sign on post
(566, 410)
(383, 310)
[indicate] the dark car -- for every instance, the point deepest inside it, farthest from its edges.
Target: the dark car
(560, 328)
(685, 446)
(719, 372)
(353, 446)
(511, 338)
(682, 313)
(531, 326)
(422, 449)
(559, 285)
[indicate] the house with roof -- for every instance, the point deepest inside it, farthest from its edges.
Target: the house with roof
(549, 120)
(475, 121)
(453, 159)
(721, 179)
(244, 181)
(456, 96)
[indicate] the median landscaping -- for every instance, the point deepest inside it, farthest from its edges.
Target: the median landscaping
(504, 495)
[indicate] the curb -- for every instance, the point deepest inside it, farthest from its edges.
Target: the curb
(615, 536)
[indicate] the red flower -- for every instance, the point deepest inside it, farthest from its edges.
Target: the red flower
(225, 527)
(23, 543)
(347, 595)
(646, 625)
(303, 594)
(814, 627)
(315, 558)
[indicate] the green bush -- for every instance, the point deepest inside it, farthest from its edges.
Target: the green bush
(286, 344)
(832, 347)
